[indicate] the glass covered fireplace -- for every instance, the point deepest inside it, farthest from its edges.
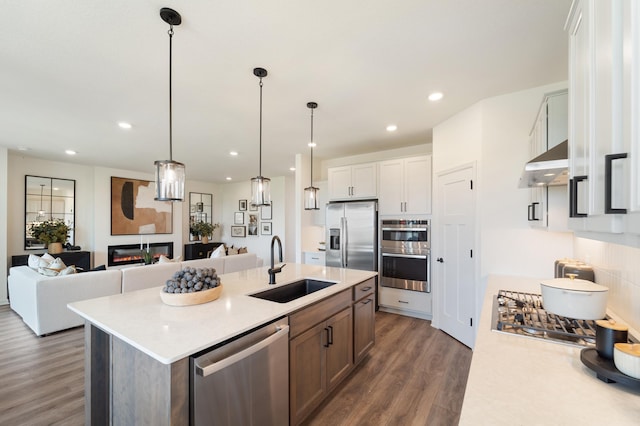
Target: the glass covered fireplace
(126, 254)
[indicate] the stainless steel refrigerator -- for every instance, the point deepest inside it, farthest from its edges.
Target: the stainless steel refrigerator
(352, 240)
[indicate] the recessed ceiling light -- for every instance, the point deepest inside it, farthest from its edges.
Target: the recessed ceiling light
(228, 178)
(312, 144)
(70, 152)
(234, 153)
(392, 128)
(293, 169)
(549, 174)
(435, 96)
(124, 125)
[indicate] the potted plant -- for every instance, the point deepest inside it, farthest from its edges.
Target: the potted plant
(203, 229)
(53, 233)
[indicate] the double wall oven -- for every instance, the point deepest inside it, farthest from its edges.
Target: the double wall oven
(405, 254)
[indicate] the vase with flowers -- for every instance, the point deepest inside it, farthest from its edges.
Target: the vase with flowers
(53, 233)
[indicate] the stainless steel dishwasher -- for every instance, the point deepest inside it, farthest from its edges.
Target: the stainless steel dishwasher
(244, 381)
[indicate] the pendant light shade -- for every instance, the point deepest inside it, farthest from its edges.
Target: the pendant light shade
(260, 185)
(170, 175)
(311, 192)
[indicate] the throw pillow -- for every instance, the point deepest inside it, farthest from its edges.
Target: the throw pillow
(47, 272)
(48, 257)
(231, 251)
(218, 252)
(99, 268)
(43, 263)
(57, 265)
(242, 250)
(68, 270)
(164, 259)
(34, 261)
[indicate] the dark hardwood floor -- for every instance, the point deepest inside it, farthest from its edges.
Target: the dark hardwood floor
(415, 375)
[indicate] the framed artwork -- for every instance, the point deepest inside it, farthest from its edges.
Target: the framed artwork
(238, 218)
(265, 212)
(253, 208)
(242, 205)
(238, 231)
(135, 212)
(265, 228)
(253, 224)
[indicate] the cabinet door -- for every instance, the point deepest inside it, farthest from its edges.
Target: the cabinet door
(364, 181)
(417, 185)
(363, 327)
(391, 194)
(339, 183)
(307, 374)
(339, 352)
(631, 109)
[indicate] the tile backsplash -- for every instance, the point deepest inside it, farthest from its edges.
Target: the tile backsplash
(617, 267)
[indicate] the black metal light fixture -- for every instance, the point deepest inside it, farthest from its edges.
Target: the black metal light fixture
(170, 175)
(41, 212)
(260, 186)
(311, 192)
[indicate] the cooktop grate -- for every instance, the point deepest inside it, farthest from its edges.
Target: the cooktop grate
(523, 314)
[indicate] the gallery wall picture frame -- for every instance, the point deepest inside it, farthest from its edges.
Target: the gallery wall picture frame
(265, 212)
(135, 212)
(253, 224)
(265, 228)
(238, 218)
(242, 205)
(253, 207)
(239, 231)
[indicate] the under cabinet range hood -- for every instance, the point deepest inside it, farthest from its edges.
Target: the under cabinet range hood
(548, 168)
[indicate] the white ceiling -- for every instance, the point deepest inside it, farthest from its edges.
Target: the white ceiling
(70, 70)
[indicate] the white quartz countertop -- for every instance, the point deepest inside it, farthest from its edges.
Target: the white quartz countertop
(170, 333)
(518, 380)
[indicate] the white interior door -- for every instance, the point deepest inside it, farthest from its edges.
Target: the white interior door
(455, 259)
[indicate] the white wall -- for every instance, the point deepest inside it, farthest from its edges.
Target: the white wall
(494, 134)
(259, 244)
(4, 193)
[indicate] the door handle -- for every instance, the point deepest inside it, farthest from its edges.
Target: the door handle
(608, 159)
(533, 212)
(440, 260)
(573, 196)
(330, 335)
(529, 209)
(326, 345)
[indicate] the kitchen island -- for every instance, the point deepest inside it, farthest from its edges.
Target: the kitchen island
(516, 380)
(138, 348)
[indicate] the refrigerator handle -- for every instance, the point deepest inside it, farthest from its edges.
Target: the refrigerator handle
(345, 262)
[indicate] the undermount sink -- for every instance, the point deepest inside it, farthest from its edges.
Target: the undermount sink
(288, 292)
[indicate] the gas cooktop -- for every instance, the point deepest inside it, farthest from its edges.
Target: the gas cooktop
(523, 314)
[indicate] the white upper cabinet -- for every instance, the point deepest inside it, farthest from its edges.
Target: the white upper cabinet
(353, 182)
(405, 186)
(603, 114)
(549, 130)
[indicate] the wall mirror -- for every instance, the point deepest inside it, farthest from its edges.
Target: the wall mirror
(48, 198)
(200, 209)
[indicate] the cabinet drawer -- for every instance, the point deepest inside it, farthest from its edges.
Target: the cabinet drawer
(405, 299)
(364, 289)
(308, 317)
(314, 258)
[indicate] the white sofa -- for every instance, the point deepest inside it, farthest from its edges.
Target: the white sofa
(42, 301)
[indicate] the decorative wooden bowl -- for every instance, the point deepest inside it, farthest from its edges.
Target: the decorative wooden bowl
(187, 299)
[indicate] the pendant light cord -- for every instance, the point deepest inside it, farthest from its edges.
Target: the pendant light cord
(311, 147)
(260, 156)
(170, 95)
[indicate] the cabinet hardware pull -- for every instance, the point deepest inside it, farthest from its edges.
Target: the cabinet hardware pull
(330, 335)
(402, 301)
(365, 289)
(365, 302)
(573, 196)
(529, 215)
(441, 260)
(608, 182)
(326, 345)
(533, 211)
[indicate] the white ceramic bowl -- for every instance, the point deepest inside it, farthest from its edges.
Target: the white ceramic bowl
(626, 357)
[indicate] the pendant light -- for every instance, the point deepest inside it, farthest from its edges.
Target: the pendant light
(170, 175)
(311, 192)
(41, 212)
(260, 186)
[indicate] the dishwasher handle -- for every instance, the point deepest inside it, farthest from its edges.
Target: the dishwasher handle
(207, 370)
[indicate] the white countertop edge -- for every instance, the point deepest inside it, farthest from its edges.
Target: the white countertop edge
(249, 282)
